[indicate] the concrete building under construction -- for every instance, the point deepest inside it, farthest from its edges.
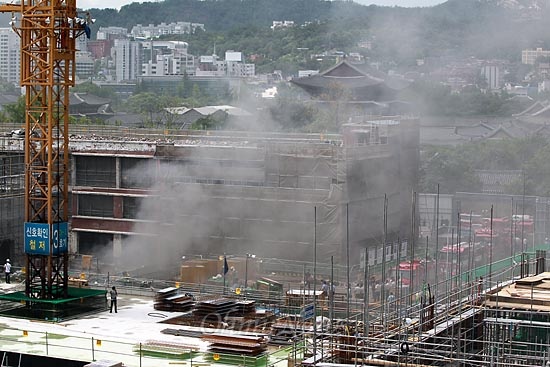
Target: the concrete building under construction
(278, 195)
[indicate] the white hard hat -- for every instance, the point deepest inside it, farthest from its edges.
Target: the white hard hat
(8, 260)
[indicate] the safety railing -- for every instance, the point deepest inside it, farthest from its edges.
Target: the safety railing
(156, 353)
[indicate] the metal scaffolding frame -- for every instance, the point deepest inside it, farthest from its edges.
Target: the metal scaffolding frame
(460, 328)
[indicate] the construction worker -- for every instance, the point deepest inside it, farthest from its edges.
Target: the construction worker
(7, 270)
(114, 295)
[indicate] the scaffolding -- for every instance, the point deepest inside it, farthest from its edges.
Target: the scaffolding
(500, 319)
(497, 322)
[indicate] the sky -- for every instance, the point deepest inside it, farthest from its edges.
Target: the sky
(403, 3)
(87, 4)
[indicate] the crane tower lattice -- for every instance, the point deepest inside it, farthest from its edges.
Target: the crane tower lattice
(48, 30)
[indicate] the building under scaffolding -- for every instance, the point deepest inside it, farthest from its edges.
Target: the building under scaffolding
(276, 195)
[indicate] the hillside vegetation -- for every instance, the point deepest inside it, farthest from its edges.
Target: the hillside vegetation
(401, 35)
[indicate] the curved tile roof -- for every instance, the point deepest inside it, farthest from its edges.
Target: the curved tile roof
(360, 78)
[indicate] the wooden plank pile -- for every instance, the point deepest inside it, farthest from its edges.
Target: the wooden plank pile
(243, 308)
(160, 348)
(214, 310)
(247, 345)
(170, 299)
(283, 333)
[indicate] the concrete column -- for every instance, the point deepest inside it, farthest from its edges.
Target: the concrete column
(72, 163)
(118, 206)
(117, 246)
(118, 173)
(73, 242)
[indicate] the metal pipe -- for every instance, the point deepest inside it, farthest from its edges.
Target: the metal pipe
(314, 282)
(348, 287)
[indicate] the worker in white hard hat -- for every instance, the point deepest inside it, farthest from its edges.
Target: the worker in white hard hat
(7, 270)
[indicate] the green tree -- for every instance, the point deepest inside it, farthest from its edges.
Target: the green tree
(150, 105)
(209, 122)
(8, 88)
(449, 168)
(16, 111)
(292, 115)
(454, 167)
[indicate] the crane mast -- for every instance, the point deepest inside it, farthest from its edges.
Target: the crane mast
(48, 30)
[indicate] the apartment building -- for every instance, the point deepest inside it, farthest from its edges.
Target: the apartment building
(529, 57)
(10, 55)
(84, 64)
(167, 58)
(127, 56)
(151, 30)
(491, 73)
(111, 33)
(232, 66)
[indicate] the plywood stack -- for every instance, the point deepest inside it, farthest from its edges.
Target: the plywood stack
(214, 309)
(161, 348)
(247, 345)
(241, 316)
(283, 333)
(169, 299)
(243, 308)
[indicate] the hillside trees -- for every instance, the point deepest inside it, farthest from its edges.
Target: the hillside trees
(286, 49)
(453, 168)
(400, 35)
(450, 168)
(438, 100)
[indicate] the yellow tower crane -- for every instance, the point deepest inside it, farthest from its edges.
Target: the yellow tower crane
(48, 30)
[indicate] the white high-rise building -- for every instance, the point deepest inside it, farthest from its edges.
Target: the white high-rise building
(10, 56)
(127, 57)
(107, 33)
(492, 76)
(168, 58)
(151, 30)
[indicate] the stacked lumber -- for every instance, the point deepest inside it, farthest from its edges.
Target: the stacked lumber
(283, 333)
(243, 308)
(164, 348)
(169, 299)
(247, 345)
(214, 309)
(183, 332)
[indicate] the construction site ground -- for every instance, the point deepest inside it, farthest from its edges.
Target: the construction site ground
(114, 337)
